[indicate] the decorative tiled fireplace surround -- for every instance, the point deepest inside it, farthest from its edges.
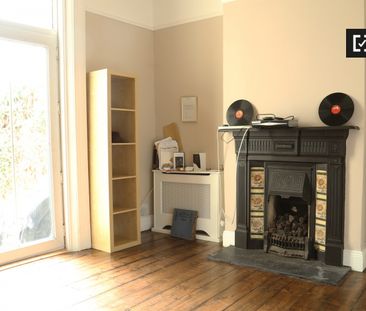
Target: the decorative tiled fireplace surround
(305, 164)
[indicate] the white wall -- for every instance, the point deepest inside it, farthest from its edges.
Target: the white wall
(173, 12)
(135, 12)
(285, 56)
(119, 46)
(128, 50)
(188, 61)
(156, 14)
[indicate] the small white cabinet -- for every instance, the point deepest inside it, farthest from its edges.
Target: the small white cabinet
(202, 193)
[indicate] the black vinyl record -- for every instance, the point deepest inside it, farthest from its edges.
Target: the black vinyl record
(240, 112)
(336, 109)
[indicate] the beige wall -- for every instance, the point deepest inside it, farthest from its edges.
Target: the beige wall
(128, 49)
(188, 61)
(129, 11)
(285, 56)
(364, 172)
(155, 14)
(174, 12)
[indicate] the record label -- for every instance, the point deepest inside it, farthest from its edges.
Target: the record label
(240, 112)
(336, 109)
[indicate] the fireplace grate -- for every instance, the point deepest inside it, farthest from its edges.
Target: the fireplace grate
(288, 246)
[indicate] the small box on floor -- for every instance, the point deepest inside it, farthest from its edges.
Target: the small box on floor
(184, 224)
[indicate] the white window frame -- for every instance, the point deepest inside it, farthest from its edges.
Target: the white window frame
(73, 111)
(49, 39)
(74, 123)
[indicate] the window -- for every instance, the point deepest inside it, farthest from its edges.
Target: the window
(38, 13)
(30, 168)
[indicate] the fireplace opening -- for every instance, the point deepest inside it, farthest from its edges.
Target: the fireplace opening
(287, 227)
(290, 217)
(288, 213)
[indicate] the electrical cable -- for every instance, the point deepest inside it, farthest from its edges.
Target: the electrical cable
(218, 150)
(146, 196)
(237, 161)
(221, 192)
(226, 141)
(241, 144)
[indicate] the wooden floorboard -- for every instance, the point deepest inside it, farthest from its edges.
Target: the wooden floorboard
(164, 273)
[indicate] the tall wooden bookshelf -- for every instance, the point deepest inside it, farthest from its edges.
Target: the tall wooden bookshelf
(115, 216)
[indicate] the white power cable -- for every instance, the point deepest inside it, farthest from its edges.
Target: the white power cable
(241, 144)
(237, 160)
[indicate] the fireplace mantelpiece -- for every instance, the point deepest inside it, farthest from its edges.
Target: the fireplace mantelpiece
(324, 149)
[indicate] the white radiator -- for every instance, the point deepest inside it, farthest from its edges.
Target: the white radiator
(201, 193)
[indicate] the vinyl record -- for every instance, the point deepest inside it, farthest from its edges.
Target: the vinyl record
(336, 109)
(240, 112)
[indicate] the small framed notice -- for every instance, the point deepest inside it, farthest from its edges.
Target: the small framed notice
(189, 108)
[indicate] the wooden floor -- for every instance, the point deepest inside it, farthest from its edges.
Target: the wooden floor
(165, 274)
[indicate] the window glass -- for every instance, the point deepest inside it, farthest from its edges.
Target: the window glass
(38, 13)
(25, 178)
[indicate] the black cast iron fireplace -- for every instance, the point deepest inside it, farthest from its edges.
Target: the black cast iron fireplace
(290, 191)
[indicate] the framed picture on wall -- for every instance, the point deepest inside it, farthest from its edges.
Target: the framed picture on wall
(189, 108)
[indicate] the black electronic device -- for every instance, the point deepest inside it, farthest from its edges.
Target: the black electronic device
(270, 120)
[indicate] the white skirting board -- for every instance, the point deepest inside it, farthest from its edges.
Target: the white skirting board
(198, 236)
(146, 222)
(228, 238)
(355, 259)
(352, 258)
